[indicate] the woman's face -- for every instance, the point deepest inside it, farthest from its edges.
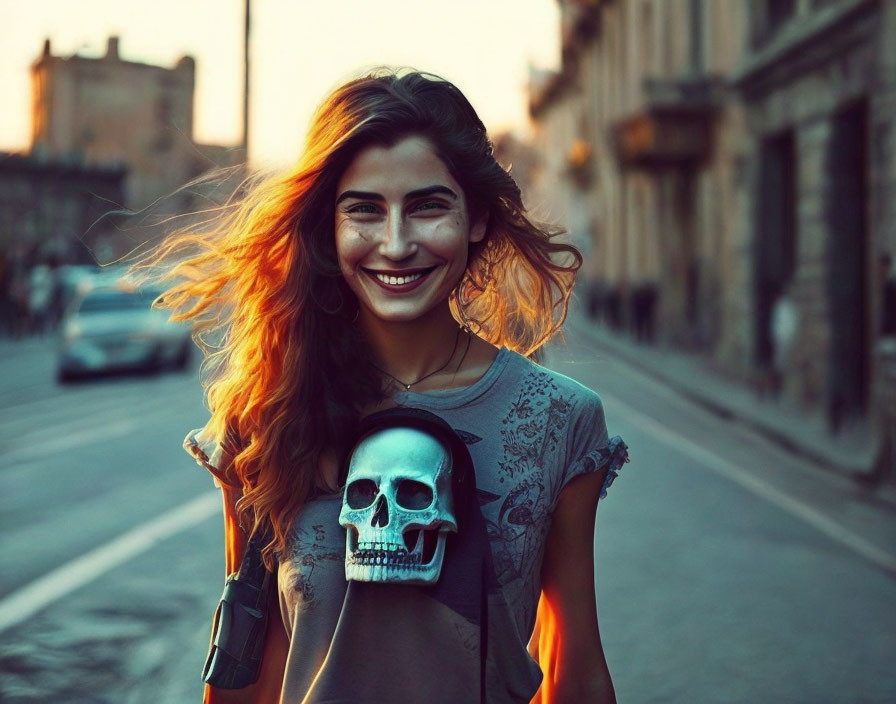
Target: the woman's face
(402, 230)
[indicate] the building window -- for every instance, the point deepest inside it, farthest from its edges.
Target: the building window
(647, 37)
(163, 110)
(696, 48)
(769, 16)
(777, 12)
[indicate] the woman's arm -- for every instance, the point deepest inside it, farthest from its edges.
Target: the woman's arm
(267, 689)
(568, 639)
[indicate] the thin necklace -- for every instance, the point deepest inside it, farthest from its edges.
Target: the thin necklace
(464, 355)
(422, 378)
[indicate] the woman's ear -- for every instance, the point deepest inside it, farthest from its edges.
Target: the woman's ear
(478, 228)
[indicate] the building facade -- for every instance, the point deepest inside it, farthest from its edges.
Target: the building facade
(113, 111)
(732, 168)
(646, 146)
(818, 83)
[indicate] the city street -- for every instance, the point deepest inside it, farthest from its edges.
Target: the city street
(728, 570)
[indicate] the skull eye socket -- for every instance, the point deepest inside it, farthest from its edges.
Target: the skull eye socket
(360, 494)
(413, 495)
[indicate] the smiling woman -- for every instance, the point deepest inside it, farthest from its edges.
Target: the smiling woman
(395, 270)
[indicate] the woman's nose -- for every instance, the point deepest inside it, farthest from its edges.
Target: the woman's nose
(397, 242)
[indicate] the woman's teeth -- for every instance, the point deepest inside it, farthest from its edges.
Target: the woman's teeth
(398, 280)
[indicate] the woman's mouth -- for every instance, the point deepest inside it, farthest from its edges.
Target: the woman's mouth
(399, 282)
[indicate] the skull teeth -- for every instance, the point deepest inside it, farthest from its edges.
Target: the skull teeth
(368, 556)
(382, 547)
(388, 553)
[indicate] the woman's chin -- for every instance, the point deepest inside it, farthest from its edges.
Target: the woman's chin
(396, 312)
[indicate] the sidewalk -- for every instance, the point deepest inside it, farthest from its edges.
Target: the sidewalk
(851, 452)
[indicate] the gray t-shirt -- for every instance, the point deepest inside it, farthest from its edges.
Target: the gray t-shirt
(529, 431)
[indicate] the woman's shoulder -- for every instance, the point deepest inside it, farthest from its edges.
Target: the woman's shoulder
(534, 379)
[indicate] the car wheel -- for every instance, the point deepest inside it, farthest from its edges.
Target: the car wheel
(156, 362)
(183, 357)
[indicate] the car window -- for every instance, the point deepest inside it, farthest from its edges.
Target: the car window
(105, 301)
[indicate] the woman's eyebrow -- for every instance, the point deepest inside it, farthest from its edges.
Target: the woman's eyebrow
(418, 193)
(431, 190)
(360, 195)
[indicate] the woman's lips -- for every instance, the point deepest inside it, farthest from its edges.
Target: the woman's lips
(396, 282)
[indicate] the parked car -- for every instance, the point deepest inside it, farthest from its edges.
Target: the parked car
(75, 279)
(111, 328)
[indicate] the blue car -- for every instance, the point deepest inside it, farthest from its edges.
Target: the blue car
(114, 328)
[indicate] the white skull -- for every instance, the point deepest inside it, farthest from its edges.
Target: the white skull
(397, 508)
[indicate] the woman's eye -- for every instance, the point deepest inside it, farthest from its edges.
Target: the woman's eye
(430, 205)
(362, 209)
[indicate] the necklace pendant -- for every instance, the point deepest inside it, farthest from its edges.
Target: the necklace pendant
(408, 386)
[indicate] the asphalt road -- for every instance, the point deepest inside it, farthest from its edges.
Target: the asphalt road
(727, 569)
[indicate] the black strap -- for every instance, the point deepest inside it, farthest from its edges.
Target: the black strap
(241, 619)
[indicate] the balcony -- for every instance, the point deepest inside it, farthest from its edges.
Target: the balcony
(673, 127)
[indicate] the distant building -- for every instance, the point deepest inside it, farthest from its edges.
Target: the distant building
(641, 150)
(112, 116)
(819, 86)
(56, 210)
(113, 111)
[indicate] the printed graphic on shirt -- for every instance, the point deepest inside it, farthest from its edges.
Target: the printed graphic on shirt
(533, 436)
(308, 549)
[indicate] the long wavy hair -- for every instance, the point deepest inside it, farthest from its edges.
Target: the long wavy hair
(286, 371)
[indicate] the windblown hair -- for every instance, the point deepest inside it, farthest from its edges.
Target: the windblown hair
(286, 369)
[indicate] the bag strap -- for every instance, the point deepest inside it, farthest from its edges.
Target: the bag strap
(252, 566)
(240, 626)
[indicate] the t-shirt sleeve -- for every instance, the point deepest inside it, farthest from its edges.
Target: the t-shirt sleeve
(590, 447)
(214, 455)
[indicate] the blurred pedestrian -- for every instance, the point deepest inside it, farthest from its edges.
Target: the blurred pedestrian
(40, 296)
(56, 305)
(644, 297)
(613, 305)
(785, 322)
(595, 296)
(20, 319)
(395, 266)
(885, 382)
(7, 310)
(887, 279)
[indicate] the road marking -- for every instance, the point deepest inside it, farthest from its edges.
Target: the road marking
(25, 602)
(106, 393)
(77, 413)
(740, 476)
(18, 422)
(55, 444)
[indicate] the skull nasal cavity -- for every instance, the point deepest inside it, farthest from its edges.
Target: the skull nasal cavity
(381, 513)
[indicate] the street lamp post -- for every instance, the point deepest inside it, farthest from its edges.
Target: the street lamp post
(246, 27)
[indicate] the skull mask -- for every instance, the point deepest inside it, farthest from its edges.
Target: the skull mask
(398, 508)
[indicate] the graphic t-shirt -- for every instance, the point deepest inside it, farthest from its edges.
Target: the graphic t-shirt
(529, 431)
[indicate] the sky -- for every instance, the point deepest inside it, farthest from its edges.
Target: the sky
(300, 50)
